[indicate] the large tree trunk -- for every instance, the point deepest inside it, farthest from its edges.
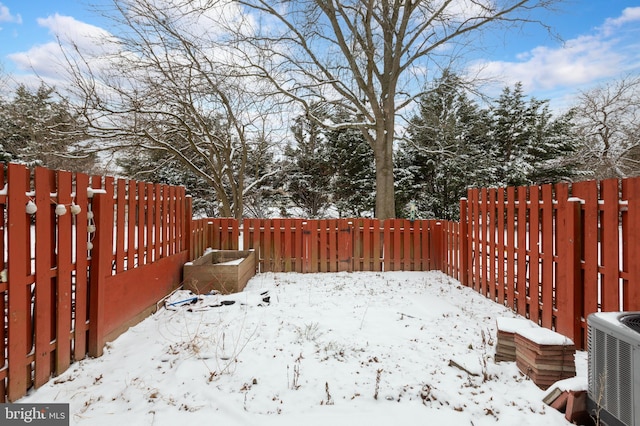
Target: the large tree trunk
(385, 192)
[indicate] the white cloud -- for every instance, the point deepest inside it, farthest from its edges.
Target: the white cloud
(6, 16)
(630, 14)
(69, 30)
(580, 62)
(46, 60)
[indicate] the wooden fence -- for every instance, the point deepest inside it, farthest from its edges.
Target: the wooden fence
(554, 253)
(334, 245)
(83, 258)
(209, 233)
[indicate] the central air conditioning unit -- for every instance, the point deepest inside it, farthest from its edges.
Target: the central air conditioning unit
(614, 367)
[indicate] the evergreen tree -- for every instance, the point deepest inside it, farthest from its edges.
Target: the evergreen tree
(512, 132)
(353, 170)
(529, 145)
(553, 150)
(38, 130)
(445, 153)
(454, 144)
(263, 181)
(306, 169)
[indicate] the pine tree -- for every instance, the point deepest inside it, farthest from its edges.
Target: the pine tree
(445, 153)
(306, 169)
(353, 171)
(530, 146)
(37, 129)
(263, 181)
(512, 132)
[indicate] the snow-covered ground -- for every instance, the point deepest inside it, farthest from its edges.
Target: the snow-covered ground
(394, 348)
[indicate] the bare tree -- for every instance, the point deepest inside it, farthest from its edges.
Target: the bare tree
(369, 57)
(608, 121)
(164, 84)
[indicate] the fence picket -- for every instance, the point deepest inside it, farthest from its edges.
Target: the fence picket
(277, 246)
(141, 222)
(64, 271)
(533, 252)
(130, 220)
(345, 245)
(3, 285)
(500, 247)
(547, 256)
(465, 251)
(44, 291)
(492, 235)
(477, 248)
(416, 255)
(483, 247)
(510, 245)
(631, 192)
(521, 251)
(288, 246)
(149, 235)
(569, 291)
(81, 301)
(19, 285)
(588, 192)
(610, 245)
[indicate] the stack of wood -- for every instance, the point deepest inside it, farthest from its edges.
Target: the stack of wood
(544, 355)
(507, 328)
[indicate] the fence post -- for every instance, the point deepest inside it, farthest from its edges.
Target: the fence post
(464, 243)
(569, 284)
(45, 290)
(101, 256)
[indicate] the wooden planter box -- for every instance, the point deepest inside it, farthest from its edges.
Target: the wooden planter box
(226, 271)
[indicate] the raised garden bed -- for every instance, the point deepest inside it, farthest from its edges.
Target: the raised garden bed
(226, 271)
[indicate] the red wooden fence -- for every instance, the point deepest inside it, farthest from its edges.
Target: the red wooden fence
(555, 253)
(334, 245)
(209, 233)
(552, 253)
(95, 257)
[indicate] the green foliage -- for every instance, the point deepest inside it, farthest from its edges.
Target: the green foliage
(529, 145)
(307, 169)
(37, 129)
(328, 168)
(445, 153)
(454, 144)
(353, 170)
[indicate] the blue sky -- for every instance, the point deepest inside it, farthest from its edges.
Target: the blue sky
(601, 41)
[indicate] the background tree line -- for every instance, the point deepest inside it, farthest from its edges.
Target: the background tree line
(452, 143)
